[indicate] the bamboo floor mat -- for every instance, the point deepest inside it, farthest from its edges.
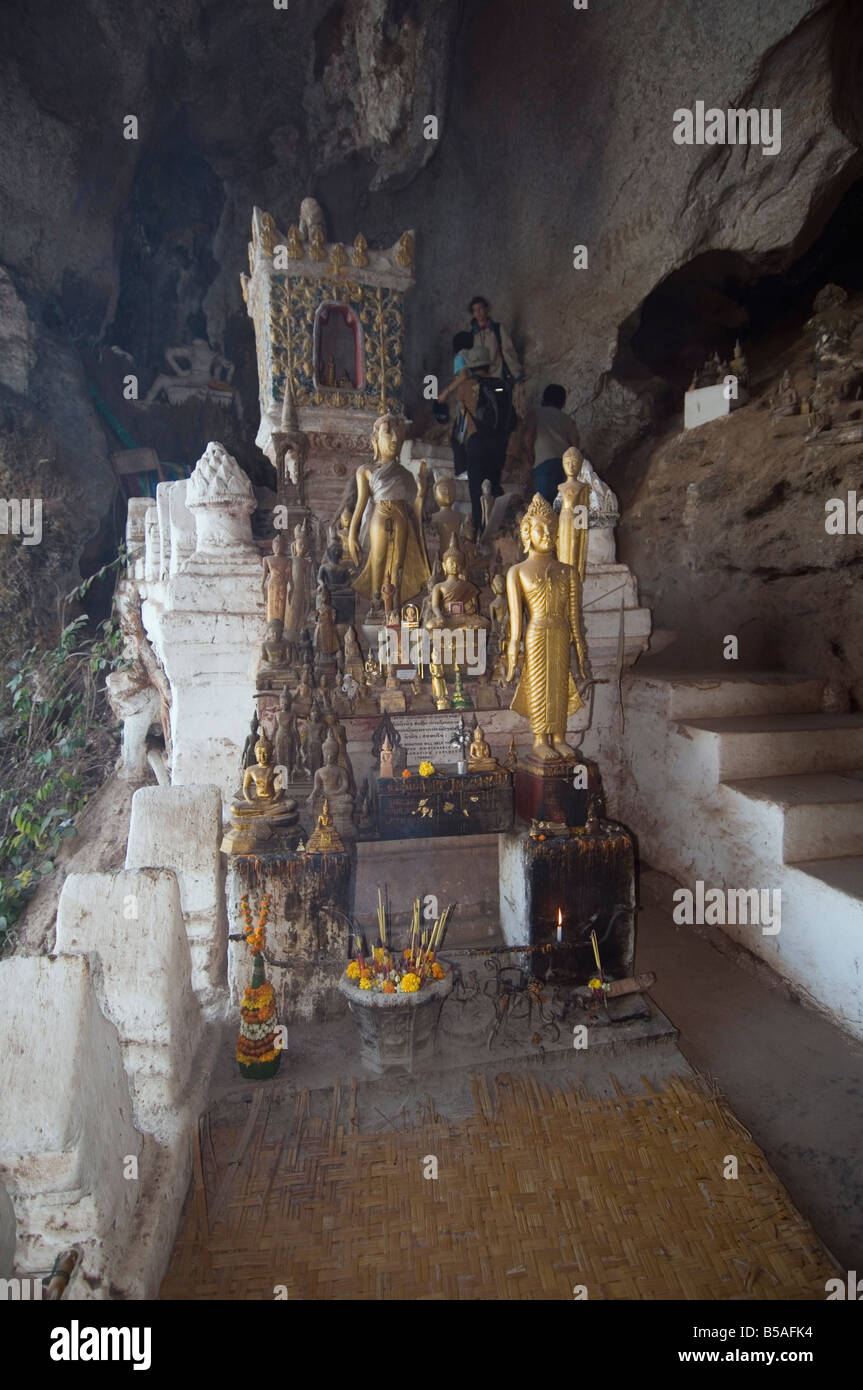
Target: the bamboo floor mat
(543, 1189)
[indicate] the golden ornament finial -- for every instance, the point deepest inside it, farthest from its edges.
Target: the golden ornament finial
(405, 253)
(268, 234)
(296, 250)
(361, 250)
(338, 260)
(316, 244)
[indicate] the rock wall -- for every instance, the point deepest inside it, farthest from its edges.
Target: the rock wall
(727, 530)
(555, 130)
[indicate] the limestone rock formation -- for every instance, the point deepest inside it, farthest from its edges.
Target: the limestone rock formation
(108, 242)
(735, 514)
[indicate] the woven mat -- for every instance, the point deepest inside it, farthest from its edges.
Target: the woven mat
(539, 1191)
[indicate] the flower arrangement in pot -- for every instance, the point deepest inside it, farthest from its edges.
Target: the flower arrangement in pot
(395, 996)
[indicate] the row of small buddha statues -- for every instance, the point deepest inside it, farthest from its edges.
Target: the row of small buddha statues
(830, 398)
(265, 817)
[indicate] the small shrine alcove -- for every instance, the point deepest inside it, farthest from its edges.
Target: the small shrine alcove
(338, 348)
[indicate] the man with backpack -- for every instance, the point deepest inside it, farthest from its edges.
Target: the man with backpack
(504, 363)
(488, 412)
(492, 336)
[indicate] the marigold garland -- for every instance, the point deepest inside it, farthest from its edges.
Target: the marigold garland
(256, 1052)
(256, 937)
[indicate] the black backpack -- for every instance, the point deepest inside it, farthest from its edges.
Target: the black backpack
(494, 415)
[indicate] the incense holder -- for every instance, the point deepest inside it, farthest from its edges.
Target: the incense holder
(397, 1032)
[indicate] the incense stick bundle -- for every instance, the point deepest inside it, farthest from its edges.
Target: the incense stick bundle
(596, 951)
(415, 922)
(382, 919)
(441, 926)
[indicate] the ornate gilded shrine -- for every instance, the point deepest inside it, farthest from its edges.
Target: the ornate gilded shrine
(329, 325)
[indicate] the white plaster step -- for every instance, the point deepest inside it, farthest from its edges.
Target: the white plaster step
(843, 875)
(810, 815)
(728, 693)
(769, 745)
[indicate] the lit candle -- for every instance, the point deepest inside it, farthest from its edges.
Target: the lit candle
(559, 926)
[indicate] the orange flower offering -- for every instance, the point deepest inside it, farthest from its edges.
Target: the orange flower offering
(257, 1052)
(257, 936)
(406, 772)
(387, 971)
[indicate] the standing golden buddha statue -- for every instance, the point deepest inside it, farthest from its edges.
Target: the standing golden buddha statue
(572, 524)
(387, 519)
(550, 592)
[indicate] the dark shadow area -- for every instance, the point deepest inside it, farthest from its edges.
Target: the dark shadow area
(720, 296)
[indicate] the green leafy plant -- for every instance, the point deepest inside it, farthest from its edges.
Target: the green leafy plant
(58, 741)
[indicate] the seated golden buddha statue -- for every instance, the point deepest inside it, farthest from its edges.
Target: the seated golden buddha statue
(262, 807)
(325, 839)
(454, 602)
(479, 758)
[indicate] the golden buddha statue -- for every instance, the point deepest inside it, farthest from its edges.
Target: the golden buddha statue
(274, 649)
(550, 592)
(387, 519)
(454, 603)
(446, 520)
(277, 582)
(262, 807)
(439, 690)
(325, 839)
(498, 609)
(572, 522)
(353, 655)
(479, 758)
(342, 528)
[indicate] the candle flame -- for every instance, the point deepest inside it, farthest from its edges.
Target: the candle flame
(559, 917)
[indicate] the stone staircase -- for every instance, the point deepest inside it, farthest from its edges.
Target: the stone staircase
(741, 781)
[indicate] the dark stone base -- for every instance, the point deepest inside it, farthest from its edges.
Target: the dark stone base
(546, 792)
(591, 879)
(308, 934)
